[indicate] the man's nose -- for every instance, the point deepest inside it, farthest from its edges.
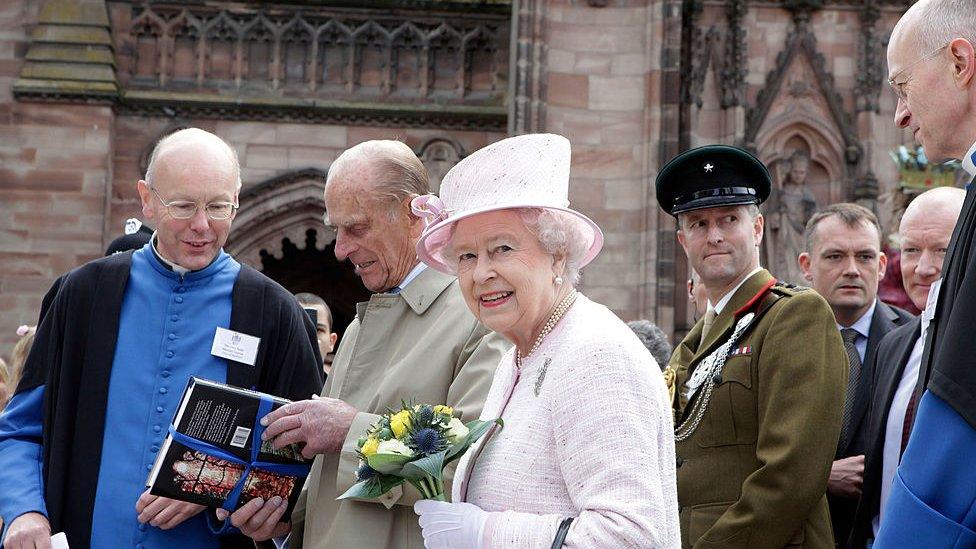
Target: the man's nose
(903, 116)
(200, 222)
(343, 247)
(850, 267)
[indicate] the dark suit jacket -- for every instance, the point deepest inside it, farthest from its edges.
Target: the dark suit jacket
(885, 319)
(889, 365)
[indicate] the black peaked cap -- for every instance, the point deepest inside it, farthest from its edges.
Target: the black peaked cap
(712, 176)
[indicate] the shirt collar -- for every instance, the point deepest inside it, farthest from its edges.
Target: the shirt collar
(969, 162)
(728, 297)
(419, 268)
(863, 325)
(172, 266)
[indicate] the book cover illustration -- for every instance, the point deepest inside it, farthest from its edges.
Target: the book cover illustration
(210, 458)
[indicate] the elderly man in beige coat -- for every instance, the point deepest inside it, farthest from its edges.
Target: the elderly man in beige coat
(414, 339)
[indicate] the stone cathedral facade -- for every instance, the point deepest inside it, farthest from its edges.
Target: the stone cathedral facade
(88, 86)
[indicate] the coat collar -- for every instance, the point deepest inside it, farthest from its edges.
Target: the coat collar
(420, 294)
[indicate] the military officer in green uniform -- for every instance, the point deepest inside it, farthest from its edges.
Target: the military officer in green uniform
(758, 384)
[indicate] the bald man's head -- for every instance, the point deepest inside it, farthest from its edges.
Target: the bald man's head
(191, 193)
(216, 148)
(926, 228)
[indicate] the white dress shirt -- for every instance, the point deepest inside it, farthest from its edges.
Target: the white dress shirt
(891, 454)
(863, 328)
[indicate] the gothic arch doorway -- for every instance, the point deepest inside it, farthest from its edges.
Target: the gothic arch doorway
(279, 231)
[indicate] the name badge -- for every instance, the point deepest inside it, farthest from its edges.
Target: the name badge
(235, 346)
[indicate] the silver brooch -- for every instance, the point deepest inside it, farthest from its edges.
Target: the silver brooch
(542, 376)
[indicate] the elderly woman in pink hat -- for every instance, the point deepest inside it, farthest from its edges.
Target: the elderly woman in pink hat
(586, 456)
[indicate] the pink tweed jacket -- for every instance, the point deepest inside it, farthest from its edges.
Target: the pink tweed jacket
(588, 434)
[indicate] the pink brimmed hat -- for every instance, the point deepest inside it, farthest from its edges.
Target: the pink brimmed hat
(527, 171)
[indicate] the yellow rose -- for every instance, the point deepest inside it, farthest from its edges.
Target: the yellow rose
(446, 410)
(370, 446)
(400, 422)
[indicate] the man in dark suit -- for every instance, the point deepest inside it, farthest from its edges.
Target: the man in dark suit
(925, 230)
(843, 261)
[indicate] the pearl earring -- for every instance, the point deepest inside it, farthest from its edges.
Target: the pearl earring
(558, 280)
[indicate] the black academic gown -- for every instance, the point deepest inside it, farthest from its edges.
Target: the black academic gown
(73, 354)
(948, 366)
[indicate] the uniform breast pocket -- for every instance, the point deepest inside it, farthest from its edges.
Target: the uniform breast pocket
(731, 415)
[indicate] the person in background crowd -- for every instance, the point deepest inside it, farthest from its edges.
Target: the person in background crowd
(414, 340)
(576, 372)
(18, 357)
(925, 230)
(842, 260)
(697, 295)
(758, 396)
(932, 69)
(323, 327)
(654, 339)
(6, 386)
(119, 341)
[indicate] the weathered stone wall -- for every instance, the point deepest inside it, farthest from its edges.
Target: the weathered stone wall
(55, 171)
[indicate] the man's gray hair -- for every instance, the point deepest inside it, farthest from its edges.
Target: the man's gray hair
(191, 133)
(941, 21)
(397, 170)
(751, 209)
(654, 339)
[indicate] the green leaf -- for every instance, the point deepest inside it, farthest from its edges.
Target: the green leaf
(389, 464)
(372, 488)
(476, 430)
(428, 466)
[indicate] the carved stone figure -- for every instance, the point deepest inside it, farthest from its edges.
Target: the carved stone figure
(789, 208)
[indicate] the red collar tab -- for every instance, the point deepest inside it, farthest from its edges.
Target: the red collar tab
(755, 299)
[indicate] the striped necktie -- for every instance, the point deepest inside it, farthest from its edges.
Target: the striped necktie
(849, 335)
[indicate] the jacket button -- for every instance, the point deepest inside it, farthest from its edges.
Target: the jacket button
(678, 461)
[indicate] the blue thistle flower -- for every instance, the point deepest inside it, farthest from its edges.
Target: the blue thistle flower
(426, 415)
(427, 441)
(365, 472)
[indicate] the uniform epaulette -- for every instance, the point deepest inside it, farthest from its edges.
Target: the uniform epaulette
(788, 289)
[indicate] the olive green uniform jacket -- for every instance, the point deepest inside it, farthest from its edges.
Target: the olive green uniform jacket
(422, 344)
(754, 472)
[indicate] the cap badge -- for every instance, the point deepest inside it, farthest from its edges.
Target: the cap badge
(709, 168)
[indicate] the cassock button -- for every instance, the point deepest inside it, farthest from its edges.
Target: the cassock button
(678, 461)
(163, 390)
(159, 409)
(157, 428)
(165, 373)
(180, 290)
(154, 449)
(179, 299)
(717, 378)
(149, 467)
(172, 337)
(169, 354)
(174, 318)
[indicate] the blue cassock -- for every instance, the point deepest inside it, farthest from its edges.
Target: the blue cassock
(933, 495)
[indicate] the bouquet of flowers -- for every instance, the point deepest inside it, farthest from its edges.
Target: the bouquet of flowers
(412, 444)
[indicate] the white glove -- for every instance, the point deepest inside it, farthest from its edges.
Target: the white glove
(451, 525)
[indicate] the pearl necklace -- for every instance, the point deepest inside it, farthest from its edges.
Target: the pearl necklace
(557, 314)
